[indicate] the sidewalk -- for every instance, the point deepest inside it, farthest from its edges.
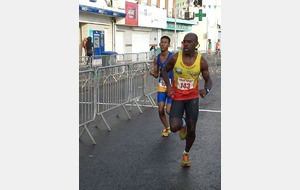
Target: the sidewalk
(134, 156)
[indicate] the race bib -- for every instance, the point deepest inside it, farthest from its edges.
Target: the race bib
(185, 84)
(162, 82)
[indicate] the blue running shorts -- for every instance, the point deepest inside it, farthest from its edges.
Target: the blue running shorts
(162, 97)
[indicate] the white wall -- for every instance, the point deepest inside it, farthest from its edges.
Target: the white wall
(140, 42)
(98, 4)
(207, 28)
(120, 44)
(154, 37)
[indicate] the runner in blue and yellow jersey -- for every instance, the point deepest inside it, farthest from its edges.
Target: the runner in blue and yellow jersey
(162, 98)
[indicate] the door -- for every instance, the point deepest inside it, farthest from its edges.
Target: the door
(120, 36)
(140, 42)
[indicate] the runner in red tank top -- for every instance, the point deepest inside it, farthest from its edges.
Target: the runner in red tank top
(187, 66)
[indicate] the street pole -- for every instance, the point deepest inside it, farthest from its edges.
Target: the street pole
(175, 33)
(206, 34)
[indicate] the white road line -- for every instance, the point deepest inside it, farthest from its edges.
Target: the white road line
(217, 111)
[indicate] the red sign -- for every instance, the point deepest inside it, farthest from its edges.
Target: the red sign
(131, 10)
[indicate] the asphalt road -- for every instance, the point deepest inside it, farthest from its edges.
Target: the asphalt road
(134, 156)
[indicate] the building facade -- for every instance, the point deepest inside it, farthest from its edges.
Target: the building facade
(134, 26)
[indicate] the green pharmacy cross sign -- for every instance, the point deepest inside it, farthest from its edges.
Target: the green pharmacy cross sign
(200, 15)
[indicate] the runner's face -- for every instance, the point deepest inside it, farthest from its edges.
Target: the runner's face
(189, 44)
(164, 44)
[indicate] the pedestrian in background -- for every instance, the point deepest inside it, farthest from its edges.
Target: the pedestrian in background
(187, 66)
(83, 46)
(89, 46)
(209, 45)
(153, 51)
(218, 47)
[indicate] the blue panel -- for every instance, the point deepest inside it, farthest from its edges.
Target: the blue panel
(102, 45)
(101, 11)
(98, 37)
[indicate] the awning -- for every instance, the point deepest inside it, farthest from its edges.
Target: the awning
(189, 22)
(107, 12)
(181, 25)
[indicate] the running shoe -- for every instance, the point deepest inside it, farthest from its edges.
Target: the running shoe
(186, 161)
(183, 130)
(166, 132)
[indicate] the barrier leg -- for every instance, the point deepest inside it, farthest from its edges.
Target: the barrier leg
(86, 129)
(126, 112)
(151, 101)
(138, 106)
(105, 122)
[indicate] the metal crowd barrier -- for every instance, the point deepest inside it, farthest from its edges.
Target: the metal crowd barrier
(118, 59)
(214, 66)
(141, 85)
(110, 87)
(113, 59)
(214, 62)
(150, 83)
(83, 63)
(113, 89)
(87, 103)
(117, 85)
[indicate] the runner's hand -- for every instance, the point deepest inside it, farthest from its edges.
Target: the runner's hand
(170, 92)
(151, 72)
(202, 93)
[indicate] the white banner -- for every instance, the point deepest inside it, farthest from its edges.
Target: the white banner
(152, 17)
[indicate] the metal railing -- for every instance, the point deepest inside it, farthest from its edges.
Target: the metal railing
(87, 103)
(113, 89)
(119, 85)
(110, 87)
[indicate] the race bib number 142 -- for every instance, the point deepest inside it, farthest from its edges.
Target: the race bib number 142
(162, 83)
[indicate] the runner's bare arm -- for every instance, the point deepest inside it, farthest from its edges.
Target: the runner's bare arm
(154, 71)
(206, 77)
(168, 67)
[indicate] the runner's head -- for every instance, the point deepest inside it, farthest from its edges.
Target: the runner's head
(190, 42)
(164, 43)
